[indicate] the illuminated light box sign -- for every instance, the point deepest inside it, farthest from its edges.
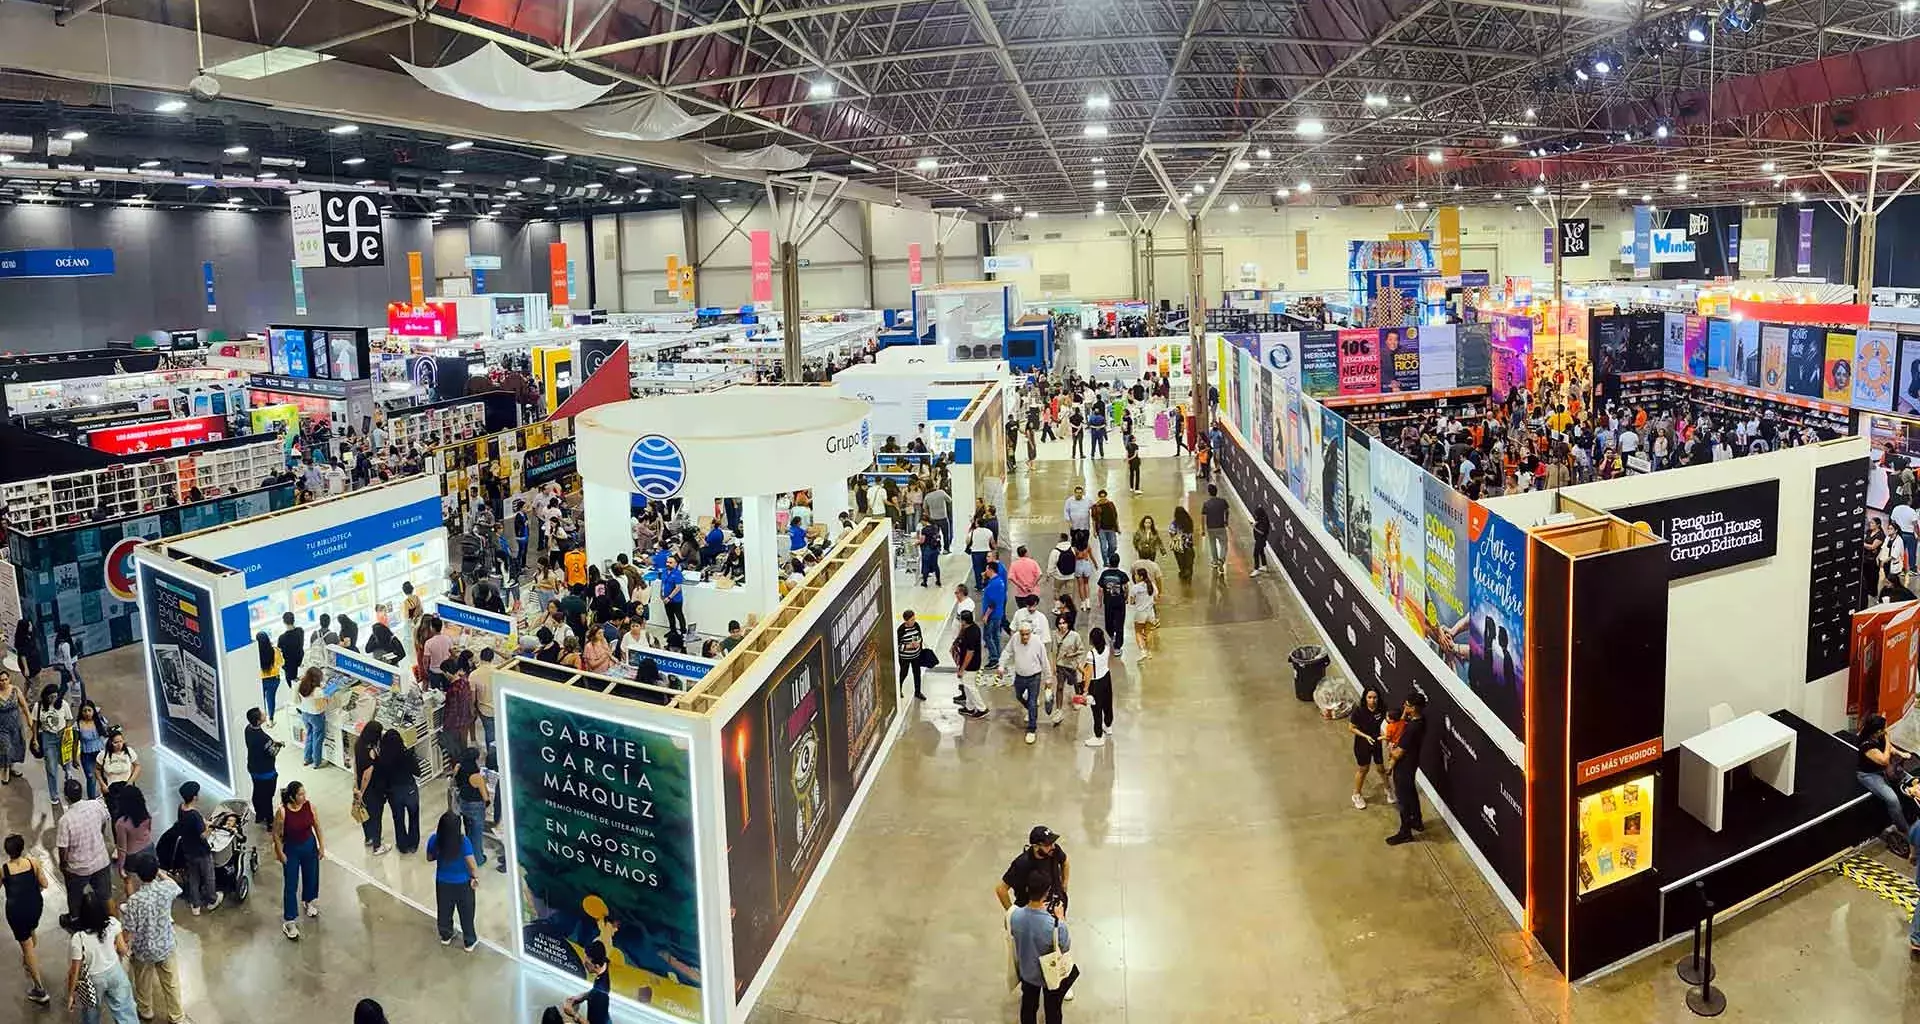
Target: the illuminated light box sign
(467, 616)
(429, 320)
(361, 667)
(147, 437)
(1714, 530)
(282, 559)
(56, 263)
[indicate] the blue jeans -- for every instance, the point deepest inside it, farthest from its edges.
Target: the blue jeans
(87, 760)
(1109, 545)
(314, 749)
(1878, 785)
(474, 813)
(993, 632)
(50, 759)
(303, 878)
(979, 566)
(113, 992)
(269, 689)
(1027, 690)
(929, 565)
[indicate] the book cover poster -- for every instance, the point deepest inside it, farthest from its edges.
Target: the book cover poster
(1399, 538)
(1773, 357)
(1496, 602)
(1695, 345)
(1333, 475)
(1320, 362)
(1359, 500)
(1873, 369)
(1806, 361)
(1400, 359)
(1836, 378)
(1906, 390)
(1360, 362)
(1446, 572)
(1673, 348)
(1439, 360)
(1720, 359)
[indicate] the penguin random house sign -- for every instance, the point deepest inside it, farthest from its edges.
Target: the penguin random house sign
(337, 229)
(1715, 529)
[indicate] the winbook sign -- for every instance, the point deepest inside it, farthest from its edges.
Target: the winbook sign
(1670, 245)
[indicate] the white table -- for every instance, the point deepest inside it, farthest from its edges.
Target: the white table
(1705, 760)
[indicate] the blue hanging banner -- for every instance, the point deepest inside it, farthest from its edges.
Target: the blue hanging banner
(571, 289)
(206, 279)
(56, 263)
(299, 290)
(1733, 245)
(479, 281)
(1642, 242)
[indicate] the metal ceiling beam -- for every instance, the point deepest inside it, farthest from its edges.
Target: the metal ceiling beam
(734, 25)
(1201, 11)
(983, 23)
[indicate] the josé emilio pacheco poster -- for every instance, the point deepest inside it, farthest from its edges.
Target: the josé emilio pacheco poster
(603, 837)
(183, 663)
(1497, 598)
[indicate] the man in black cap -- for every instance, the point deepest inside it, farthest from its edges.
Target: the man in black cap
(1404, 759)
(1043, 854)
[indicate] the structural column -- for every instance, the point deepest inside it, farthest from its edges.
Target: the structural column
(690, 232)
(1151, 297)
(790, 311)
(1196, 329)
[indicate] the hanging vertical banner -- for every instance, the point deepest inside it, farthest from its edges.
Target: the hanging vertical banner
(1803, 248)
(1496, 599)
(572, 290)
(1300, 251)
(1733, 245)
(299, 289)
(673, 274)
(1449, 229)
(206, 279)
(1642, 242)
(762, 244)
(416, 280)
(479, 281)
(557, 273)
(1574, 240)
(1837, 370)
(1546, 246)
(686, 282)
(1873, 370)
(913, 263)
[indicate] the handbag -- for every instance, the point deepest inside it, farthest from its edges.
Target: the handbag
(359, 812)
(1056, 965)
(927, 658)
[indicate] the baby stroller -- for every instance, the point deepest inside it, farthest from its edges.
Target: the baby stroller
(234, 858)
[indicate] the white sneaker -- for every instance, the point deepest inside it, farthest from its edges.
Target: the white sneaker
(1359, 802)
(1095, 741)
(313, 910)
(291, 930)
(1029, 739)
(382, 848)
(218, 898)
(1390, 800)
(1068, 998)
(1057, 717)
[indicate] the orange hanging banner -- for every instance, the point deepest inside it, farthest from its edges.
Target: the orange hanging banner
(416, 281)
(557, 273)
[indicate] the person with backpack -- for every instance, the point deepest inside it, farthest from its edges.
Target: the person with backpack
(293, 648)
(183, 849)
(1112, 583)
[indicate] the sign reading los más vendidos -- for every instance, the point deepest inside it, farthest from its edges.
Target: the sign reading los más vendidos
(602, 819)
(1715, 529)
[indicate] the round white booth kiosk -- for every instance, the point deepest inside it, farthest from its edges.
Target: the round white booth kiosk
(749, 443)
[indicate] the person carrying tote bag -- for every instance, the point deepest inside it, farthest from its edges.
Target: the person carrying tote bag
(1043, 951)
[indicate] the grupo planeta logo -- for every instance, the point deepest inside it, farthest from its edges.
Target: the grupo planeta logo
(657, 467)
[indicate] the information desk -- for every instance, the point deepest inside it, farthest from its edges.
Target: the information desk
(1706, 759)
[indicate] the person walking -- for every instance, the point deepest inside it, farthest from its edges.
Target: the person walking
(313, 721)
(1180, 540)
(1106, 519)
(1078, 513)
(937, 504)
(993, 614)
(1023, 575)
(118, 762)
(52, 717)
(471, 795)
(1115, 587)
(299, 846)
(271, 670)
(1142, 599)
(1213, 512)
(82, 839)
(132, 823)
(673, 593)
(1262, 529)
(930, 543)
(192, 854)
(979, 544)
(1365, 723)
(25, 883)
(397, 770)
(1070, 667)
(1133, 465)
(1040, 928)
(16, 724)
(1405, 760)
(909, 644)
(262, 750)
(66, 659)
(90, 738)
(99, 942)
(1100, 686)
(293, 646)
(148, 913)
(1029, 654)
(456, 878)
(1097, 429)
(966, 665)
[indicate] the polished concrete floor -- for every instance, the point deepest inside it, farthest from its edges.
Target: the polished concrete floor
(1220, 873)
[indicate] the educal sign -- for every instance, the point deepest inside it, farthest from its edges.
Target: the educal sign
(1714, 530)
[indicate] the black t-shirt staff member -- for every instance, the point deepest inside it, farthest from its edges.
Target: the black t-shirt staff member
(1043, 854)
(1402, 761)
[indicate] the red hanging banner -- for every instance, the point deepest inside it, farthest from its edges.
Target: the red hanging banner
(762, 266)
(913, 263)
(557, 272)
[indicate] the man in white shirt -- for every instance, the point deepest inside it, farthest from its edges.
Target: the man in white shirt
(1029, 656)
(1078, 511)
(1905, 518)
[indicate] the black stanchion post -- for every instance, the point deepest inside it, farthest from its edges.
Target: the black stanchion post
(1705, 1000)
(1691, 968)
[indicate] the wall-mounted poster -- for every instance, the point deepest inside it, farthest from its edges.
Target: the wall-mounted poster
(1773, 357)
(1873, 362)
(1746, 353)
(1359, 500)
(603, 825)
(1696, 345)
(1281, 454)
(1607, 345)
(1475, 352)
(1360, 362)
(1312, 422)
(1333, 475)
(1836, 377)
(1446, 570)
(1806, 360)
(1646, 340)
(1253, 425)
(1320, 362)
(1268, 406)
(1496, 604)
(1305, 428)
(802, 806)
(1906, 392)
(1236, 403)
(1673, 342)
(1280, 355)
(1512, 352)
(1720, 357)
(1400, 359)
(1399, 538)
(1439, 359)
(183, 669)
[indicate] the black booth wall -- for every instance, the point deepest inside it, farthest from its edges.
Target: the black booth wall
(1710, 245)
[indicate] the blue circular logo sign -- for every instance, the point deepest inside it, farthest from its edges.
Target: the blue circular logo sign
(1279, 357)
(657, 467)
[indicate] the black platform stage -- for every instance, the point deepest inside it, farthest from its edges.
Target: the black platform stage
(1768, 838)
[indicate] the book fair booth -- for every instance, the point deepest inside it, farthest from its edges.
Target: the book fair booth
(1610, 754)
(691, 830)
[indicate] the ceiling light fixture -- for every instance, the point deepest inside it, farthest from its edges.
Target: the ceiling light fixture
(137, 197)
(628, 169)
(144, 164)
(1233, 207)
(443, 201)
(267, 175)
(1767, 167)
(195, 187)
(997, 197)
(343, 129)
(353, 161)
(531, 179)
(1646, 197)
(821, 90)
(554, 158)
(1798, 195)
(171, 107)
(462, 144)
(1539, 190)
(1434, 156)
(1264, 153)
(1099, 101)
(1282, 193)
(983, 179)
(235, 150)
(550, 207)
(1497, 195)
(723, 199)
(1880, 151)
(1094, 131)
(1304, 186)
(364, 182)
(73, 135)
(1242, 165)
(1033, 214)
(453, 170)
(593, 185)
(1399, 206)
(1376, 101)
(1509, 139)
(1309, 128)
(925, 163)
(1660, 131)
(1099, 183)
(1017, 209)
(1529, 115)
(677, 177)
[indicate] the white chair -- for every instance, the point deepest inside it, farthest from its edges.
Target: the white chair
(1719, 715)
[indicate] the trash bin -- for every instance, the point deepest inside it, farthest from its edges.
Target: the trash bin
(1309, 667)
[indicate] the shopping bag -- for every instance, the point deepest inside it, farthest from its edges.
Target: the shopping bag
(1055, 966)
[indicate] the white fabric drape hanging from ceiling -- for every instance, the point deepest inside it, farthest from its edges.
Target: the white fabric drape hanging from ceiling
(492, 78)
(652, 119)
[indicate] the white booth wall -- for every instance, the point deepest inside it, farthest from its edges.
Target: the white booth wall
(1737, 636)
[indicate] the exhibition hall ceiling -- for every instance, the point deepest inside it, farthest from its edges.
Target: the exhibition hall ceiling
(1052, 106)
